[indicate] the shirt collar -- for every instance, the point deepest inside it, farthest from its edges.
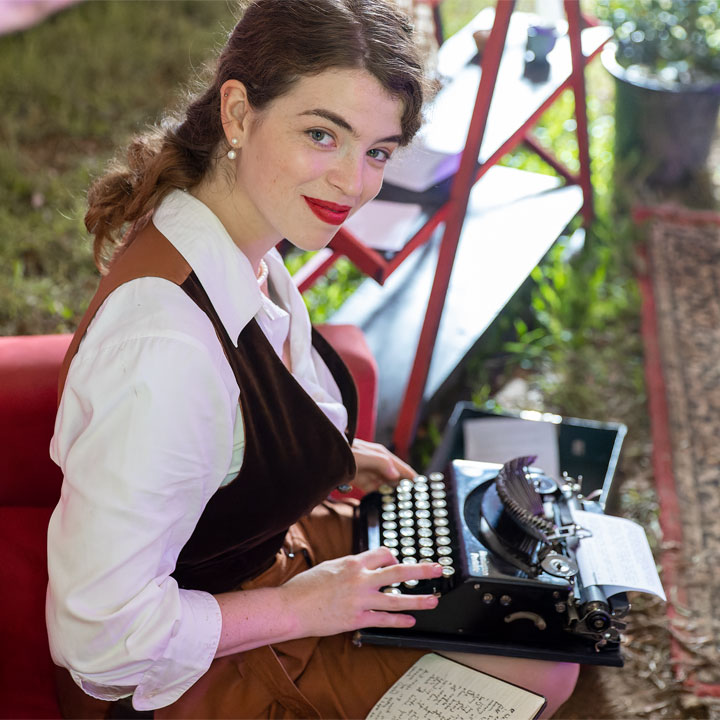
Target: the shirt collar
(222, 268)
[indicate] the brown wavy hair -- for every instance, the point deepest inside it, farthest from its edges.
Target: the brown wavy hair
(275, 43)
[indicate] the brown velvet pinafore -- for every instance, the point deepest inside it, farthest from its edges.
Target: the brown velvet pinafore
(270, 523)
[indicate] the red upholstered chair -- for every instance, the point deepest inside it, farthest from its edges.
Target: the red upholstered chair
(30, 487)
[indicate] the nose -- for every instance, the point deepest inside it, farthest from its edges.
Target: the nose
(348, 174)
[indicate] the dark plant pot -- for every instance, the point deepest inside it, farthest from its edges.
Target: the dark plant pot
(670, 128)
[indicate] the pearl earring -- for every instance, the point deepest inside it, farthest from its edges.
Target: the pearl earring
(232, 154)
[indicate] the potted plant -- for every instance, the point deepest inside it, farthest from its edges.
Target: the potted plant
(666, 62)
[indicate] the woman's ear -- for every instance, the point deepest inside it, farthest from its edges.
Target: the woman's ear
(234, 111)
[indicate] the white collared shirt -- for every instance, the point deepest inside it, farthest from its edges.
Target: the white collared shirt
(147, 430)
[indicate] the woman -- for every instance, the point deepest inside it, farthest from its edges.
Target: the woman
(194, 565)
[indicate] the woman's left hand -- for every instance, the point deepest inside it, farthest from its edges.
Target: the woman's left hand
(377, 465)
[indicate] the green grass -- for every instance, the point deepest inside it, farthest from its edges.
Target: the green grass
(74, 89)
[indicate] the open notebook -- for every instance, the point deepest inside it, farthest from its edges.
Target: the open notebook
(442, 689)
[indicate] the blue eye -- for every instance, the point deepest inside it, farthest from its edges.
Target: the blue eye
(378, 154)
(321, 137)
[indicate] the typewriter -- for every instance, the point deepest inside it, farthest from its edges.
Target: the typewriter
(506, 539)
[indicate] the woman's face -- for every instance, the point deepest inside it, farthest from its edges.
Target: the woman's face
(315, 156)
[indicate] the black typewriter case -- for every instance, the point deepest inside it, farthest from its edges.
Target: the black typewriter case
(475, 604)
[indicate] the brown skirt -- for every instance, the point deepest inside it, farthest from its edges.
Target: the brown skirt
(324, 677)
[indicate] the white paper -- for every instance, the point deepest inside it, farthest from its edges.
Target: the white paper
(617, 556)
(499, 440)
(440, 689)
(385, 225)
(418, 167)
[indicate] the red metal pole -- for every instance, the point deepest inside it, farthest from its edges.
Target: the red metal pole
(459, 194)
(551, 160)
(363, 257)
(314, 269)
(577, 81)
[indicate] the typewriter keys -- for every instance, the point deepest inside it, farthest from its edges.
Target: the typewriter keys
(415, 526)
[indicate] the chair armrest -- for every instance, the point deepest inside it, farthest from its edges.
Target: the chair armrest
(349, 342)
(29, 367)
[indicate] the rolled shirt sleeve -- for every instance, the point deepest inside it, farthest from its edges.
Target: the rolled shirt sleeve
(144, 437)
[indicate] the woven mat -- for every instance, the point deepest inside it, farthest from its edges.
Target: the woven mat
(685, 272)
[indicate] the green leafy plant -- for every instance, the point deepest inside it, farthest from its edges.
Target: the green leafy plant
(667, 40)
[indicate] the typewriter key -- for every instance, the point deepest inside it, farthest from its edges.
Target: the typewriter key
(439, 494)
(392, 591)
(441, 522)
(408, 550)
(421, 486)
(444, 550)
(440, 512)
(425, 559)
(424, 532)
(389, 515)
(422, 513)
(390, 534)
(406, 522)
(445, 560)
(407, 530)
(426, 552)
(407, 541)
(443, 541)
(393, 551)
(386, 489)
(448, 570)
(437, 486)
(388, 507)
(439, 503)
(405, 484)
(390, 542)
(437, 476)
(422, 505)
(405, 505)
(421, 496)
(404, 496)
(409, 560)
(424, 523)
(389, 525)
(425, 542)
(442, 531)
(421, 479)
(405, 514)
(410, 583)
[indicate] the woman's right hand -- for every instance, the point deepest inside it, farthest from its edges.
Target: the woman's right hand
(344, 594)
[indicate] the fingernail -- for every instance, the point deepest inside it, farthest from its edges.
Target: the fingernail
(432, 601)
(437, 569)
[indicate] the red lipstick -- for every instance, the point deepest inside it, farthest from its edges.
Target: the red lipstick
(327, 211)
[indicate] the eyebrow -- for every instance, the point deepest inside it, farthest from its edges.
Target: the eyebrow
(341, 122)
